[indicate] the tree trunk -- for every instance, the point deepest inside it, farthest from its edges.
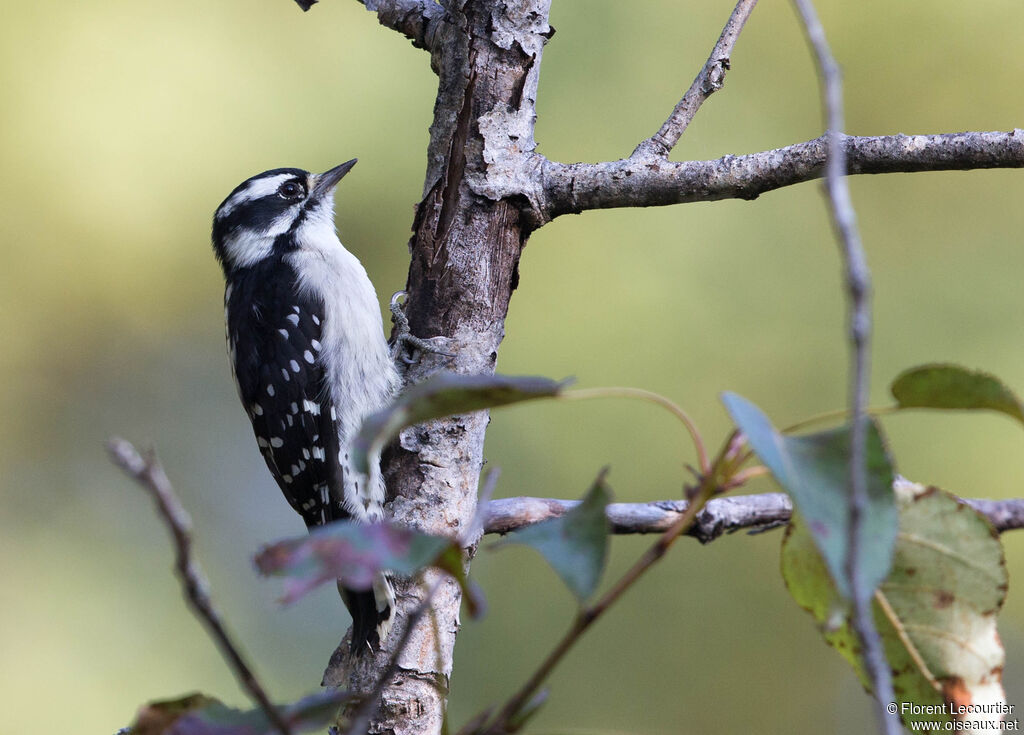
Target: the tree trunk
(468, 235)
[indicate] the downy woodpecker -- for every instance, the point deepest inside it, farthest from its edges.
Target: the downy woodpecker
(308, 354)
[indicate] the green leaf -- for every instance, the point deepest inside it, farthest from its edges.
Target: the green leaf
(576, 544)
(955, 387)
(198, 714)
(814, 470)
(445, 394)
(936, 612)
(354, 553)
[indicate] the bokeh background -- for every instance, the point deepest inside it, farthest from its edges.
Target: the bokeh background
(125, 123)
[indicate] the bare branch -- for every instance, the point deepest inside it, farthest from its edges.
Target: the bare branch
(414, 19)
(708, 81)
(1004, 515)
(719, 517)
(148, 472)
(570, 188)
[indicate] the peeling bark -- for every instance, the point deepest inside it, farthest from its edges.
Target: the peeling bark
(468, 235)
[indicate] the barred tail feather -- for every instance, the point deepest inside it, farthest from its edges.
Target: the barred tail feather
(373, 612)
(384, 596)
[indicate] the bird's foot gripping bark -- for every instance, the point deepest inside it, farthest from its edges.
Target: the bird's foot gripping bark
(405, 346)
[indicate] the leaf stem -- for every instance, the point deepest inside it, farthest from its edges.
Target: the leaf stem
(588, 615)
(583, 394)
(839, 413)
(908, 643)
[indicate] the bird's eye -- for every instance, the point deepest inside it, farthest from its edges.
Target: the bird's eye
(290, 190)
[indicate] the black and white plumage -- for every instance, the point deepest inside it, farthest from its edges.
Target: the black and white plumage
(308, 353)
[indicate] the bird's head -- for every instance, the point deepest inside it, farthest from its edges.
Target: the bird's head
(264, 213)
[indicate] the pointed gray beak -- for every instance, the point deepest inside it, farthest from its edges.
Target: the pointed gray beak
(326, 181)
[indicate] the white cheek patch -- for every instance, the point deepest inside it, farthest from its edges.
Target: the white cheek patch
(254, 190)
(248, 247)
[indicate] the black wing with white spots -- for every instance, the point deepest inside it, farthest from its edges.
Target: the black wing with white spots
(274, 338)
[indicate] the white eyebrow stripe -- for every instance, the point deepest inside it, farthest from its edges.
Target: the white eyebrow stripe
(253, 190)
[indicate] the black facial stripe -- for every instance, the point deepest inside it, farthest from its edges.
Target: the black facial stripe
(256, 214)
(286, 241)
(301, 217)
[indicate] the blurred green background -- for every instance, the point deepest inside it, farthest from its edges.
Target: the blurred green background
(125, 123)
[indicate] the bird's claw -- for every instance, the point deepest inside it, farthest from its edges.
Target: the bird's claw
(406, 346)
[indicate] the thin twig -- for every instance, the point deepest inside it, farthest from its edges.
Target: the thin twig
(570, 188)
(360, 721)
(148, 472)
(708, 81)
(858, 282)
(719, 517)
(1004, 515)
(588, 615)
(414, 19)
(842, 413)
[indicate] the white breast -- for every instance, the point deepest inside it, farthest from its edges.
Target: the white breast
(362, 375)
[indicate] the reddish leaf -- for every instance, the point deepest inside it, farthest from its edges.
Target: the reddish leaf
(197, 714)
(353, 553)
